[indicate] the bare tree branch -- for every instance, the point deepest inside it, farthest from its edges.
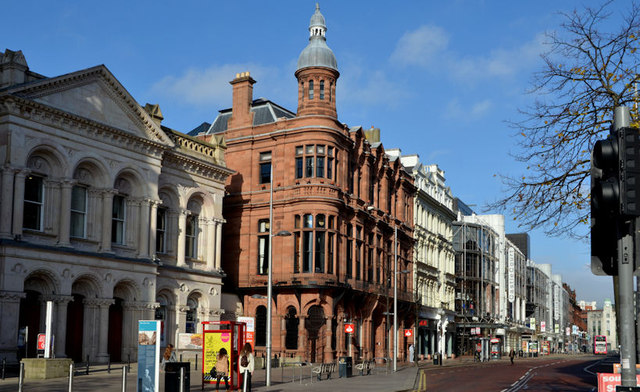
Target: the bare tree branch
(586, 73)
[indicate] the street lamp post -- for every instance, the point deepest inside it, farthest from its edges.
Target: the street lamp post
(270, 276)
(395, 299)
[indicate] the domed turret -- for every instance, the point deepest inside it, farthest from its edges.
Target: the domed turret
(317, 72)
(317, 53)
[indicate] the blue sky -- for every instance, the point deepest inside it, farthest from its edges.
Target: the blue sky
(439, 78)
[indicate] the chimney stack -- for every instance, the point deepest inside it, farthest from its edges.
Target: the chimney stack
(241, 115)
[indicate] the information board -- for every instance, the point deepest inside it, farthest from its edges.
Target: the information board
(148, 355)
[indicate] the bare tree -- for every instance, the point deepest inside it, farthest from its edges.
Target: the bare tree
(587, 72)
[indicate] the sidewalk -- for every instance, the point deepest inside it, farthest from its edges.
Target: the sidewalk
(282, 379)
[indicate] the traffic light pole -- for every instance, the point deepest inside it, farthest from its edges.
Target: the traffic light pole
(625, 300)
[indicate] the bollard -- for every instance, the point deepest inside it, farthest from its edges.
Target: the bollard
(21, 377)
(182, 379)
(87, 365)
(109, 364)
(4, 364)
(129, 361)
(71, 377)
(124, 378)
(196, 361)
(180, 357)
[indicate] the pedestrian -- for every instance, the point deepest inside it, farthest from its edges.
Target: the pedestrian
(168, 356)
(411, 353)
(512, 354)
(222, 368)
(247, 365)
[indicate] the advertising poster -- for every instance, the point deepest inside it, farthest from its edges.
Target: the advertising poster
(607, 382)
(213, 342)
(250, 329)
(190, 341)
(148, 355)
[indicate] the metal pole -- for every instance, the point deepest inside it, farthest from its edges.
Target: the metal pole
(269, 283)
(109, 364)
(626, 257)
(395, 299)
(181, 379)
(637, 312)
(71, 377)
(196, 361)
(4, 364)
(627, 319)
(21, 377)
(87, 365)
(124, 378)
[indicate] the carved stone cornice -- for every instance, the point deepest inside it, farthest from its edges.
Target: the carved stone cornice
(195, 166)
(72, 123)
(98, 302)
(216, 312)
(57, 298)
(11, 296)
(140, 305)
(183, 308)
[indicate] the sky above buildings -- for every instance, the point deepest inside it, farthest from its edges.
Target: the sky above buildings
(441, 79)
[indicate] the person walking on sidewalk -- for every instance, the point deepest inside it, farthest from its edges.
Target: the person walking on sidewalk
(247, 365)
(512, 354)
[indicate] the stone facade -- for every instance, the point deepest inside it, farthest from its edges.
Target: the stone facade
(105, 212)
(341, 199)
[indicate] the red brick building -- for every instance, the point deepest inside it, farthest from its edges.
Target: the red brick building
(341, 198)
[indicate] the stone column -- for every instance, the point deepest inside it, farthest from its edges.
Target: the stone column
(64, 213)
(182, 226)
(94, 214)
(51, 209)
(172, 232)
(152, 229)
(132, 220)
(107, 211)
(218, 249)
(144, 226)
(9, 309)
(302, 337)
(6, 197)
(60, 317)
(211, 244)
(103, 340)
(328, 354)
(18, 201)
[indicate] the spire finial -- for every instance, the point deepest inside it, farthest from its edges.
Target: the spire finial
(317, 6)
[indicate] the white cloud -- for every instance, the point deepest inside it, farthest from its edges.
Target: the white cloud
(210, 87)
(364, 86)
(427, 47)
(466, 111)
(421, 46)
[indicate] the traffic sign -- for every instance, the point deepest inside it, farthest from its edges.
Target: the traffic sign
(349, 328)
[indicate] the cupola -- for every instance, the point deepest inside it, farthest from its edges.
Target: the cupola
(317, 72)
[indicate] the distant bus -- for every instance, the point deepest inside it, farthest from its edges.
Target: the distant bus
(600, 344)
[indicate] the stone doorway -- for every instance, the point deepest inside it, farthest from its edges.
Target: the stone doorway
(313, 323)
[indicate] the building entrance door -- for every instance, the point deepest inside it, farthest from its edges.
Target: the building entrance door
(314, 321)
(75, 328)
(115, 330)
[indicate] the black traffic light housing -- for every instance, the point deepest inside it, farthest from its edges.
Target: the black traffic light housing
(615, 195)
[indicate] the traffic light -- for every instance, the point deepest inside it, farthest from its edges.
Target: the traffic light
(615, 195)
(604, 206)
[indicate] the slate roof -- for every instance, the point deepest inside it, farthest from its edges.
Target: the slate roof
(265, 112)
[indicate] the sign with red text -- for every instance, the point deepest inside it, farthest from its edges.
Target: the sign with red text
(42, 340)
(349, 328)
(607, 381)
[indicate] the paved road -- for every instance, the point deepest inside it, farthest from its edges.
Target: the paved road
(556, 373)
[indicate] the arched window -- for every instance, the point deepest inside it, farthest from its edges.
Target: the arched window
(311, 89)
(292, 321)
(322, 89)
(261, 326)
(192, 315)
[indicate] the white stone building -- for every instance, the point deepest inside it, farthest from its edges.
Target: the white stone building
(105, 212)
(434, 258)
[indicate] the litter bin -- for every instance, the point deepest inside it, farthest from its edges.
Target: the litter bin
(436, 359)
(172, 376)
(345, 367)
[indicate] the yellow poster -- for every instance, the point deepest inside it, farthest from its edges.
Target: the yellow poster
(213, 342)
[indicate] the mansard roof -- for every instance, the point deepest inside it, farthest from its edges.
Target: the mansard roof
(264, 112)
(93, 94)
